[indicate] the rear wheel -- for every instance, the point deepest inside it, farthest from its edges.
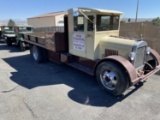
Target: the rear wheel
(8, 41)
(112, 77)
(37, 54)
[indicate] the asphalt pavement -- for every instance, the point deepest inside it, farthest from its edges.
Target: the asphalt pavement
(49, 91)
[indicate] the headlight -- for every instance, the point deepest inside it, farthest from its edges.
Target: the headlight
(148, 50)
(132, 56)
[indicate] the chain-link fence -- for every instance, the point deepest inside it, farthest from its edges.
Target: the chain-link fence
(49, 29)
(148, 31)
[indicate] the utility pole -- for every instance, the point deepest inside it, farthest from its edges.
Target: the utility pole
(137, 11)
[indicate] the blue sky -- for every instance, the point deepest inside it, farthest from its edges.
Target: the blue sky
(22, 9)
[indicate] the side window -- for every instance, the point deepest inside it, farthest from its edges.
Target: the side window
(29, 29)
(115, 23)
(90, 23)
(79, 23)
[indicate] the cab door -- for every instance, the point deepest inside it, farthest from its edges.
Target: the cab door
(78, 42)
(90, 36)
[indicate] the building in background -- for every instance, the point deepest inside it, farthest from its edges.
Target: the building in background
(47, 20)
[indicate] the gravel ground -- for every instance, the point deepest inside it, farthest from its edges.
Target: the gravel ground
(48, 91)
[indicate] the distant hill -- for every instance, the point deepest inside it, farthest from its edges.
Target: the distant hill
(17, 21)
(24, 22)
(138, 20)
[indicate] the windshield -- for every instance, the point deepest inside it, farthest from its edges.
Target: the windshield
(8, 28)
(25, 29)
(106, 22)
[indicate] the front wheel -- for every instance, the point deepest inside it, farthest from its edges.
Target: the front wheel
(22, 46)
(112, 77)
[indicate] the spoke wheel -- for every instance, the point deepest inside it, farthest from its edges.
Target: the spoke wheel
(109, 79)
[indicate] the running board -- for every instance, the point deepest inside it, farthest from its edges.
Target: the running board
(81, 68)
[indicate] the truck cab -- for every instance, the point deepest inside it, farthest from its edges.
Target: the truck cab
(7, 31)
(91, 26)
(14, 35)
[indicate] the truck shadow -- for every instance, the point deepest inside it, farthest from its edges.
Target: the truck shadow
(13, 48)
(85, 88)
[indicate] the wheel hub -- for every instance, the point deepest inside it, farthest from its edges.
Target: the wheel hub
(35, 53)
(109, 80)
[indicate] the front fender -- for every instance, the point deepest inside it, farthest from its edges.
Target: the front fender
(154, 56)
(123, 62)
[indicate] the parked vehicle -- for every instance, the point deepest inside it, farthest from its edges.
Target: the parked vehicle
(14, 35)
(19, 31)
(91, 43)
(0, 32)
(7, 31)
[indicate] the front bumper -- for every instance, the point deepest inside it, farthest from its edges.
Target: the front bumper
(146, 76)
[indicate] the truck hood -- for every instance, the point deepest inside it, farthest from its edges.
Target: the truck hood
(10, 35)
(9, 32)
(123, 46)
(26, 32)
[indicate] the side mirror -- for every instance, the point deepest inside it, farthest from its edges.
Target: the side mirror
(75, 12)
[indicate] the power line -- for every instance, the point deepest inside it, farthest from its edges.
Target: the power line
(137, 10)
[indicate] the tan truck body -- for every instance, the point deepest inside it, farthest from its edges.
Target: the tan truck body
(91, 43)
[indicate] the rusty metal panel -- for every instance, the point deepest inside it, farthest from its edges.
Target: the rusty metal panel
(50, 41)
(56, 42)
(66, 58)
(61, 44)
(54, 57)
(40, 40)
(32, 38)
(84, 61)
(124, 62)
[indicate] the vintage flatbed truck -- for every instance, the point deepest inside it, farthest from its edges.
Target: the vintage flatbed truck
(91, 43)
(7, 31)
(19, 31)
(14, 35)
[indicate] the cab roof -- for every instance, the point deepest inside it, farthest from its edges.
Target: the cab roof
(99, 10)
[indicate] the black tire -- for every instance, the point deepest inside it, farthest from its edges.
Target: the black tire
(9, 42)
(37, 54)
(30, 49)
(112, 78)
(22, 46)
(45, 55)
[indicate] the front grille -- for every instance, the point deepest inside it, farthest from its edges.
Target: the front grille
(140, 57)
(109, 52)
